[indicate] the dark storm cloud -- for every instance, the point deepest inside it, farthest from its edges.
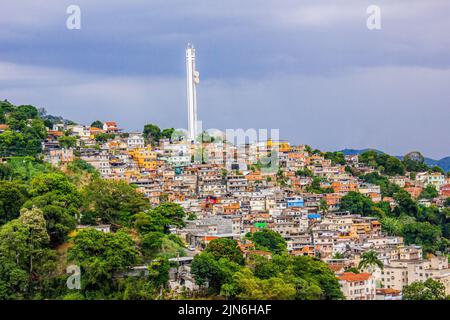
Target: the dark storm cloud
(310, 68)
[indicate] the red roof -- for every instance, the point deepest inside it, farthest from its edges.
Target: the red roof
(388, 291)
(350, 276)
(55, 133)
(336, 267)
(209, 238)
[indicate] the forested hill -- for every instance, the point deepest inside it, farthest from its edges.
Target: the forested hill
(22, 130)
(443, 163)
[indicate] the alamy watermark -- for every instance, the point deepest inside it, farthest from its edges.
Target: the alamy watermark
(374, 19)
(74, 280)
(73, 21)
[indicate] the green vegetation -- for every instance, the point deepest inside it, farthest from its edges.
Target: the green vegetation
(315, 187)
(428, 290)
(152, 133)
(26, 260)
(104, 137)
(67, 141)
(357, 203)
(100, 256)
(429, 193)
(108, 201)
(386, 187)
(335, 157)
(25, 131)
(304, 173)
(414, 162)
(385, 163)
(13, 195)
(369, 259)
(425, 226)
(268, 240)
(97, 124)
(39, 209)
(225, 248)
(282, 277)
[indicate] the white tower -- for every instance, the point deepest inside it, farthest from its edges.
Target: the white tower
(192, 77)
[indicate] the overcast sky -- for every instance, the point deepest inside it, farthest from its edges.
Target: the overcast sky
(309, 68)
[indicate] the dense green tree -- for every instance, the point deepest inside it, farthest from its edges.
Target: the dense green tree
(59, 200)
(424, 234)
(67, 142)
(269, 240)
(152, 133)
(249, 287)
(225, 248)
(414, 162)
(335, 157)
(25, 260)
(315, 187)
(24, 168)
(386, 187)
(151, 243)
(304, 173)
(405, 204)
(97, 124)
(159, 273)
(433, 215)
(318, 273)
(369, 260)
(133, 288)
(266, 268)
(385, 163)
(101, 256)
(12, 196)
(25, 133)
(160, 218)
(428, 290)
(112, 202)
(52, 182)
(357, 203)
(207, 270)
(171, 211)
(437, 169)
(167, 133)
(60, 214)
(392, 226)
(447, 202)
(429, 193)
(104, 137)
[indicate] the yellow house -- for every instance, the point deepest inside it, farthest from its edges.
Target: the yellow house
(144, 157)
(361, 228)
(283, 146)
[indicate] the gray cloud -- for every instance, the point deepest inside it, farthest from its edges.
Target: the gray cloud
(310, 68)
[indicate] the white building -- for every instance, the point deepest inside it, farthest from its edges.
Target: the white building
(135, 140)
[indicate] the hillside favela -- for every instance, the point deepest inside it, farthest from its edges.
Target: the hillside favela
(92, 211)
(329, 178)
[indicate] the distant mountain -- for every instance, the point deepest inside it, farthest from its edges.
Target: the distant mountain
(444, 163)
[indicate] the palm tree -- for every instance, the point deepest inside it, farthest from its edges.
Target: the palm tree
(370, 259)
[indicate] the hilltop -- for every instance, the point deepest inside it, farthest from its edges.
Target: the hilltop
(444, 163)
